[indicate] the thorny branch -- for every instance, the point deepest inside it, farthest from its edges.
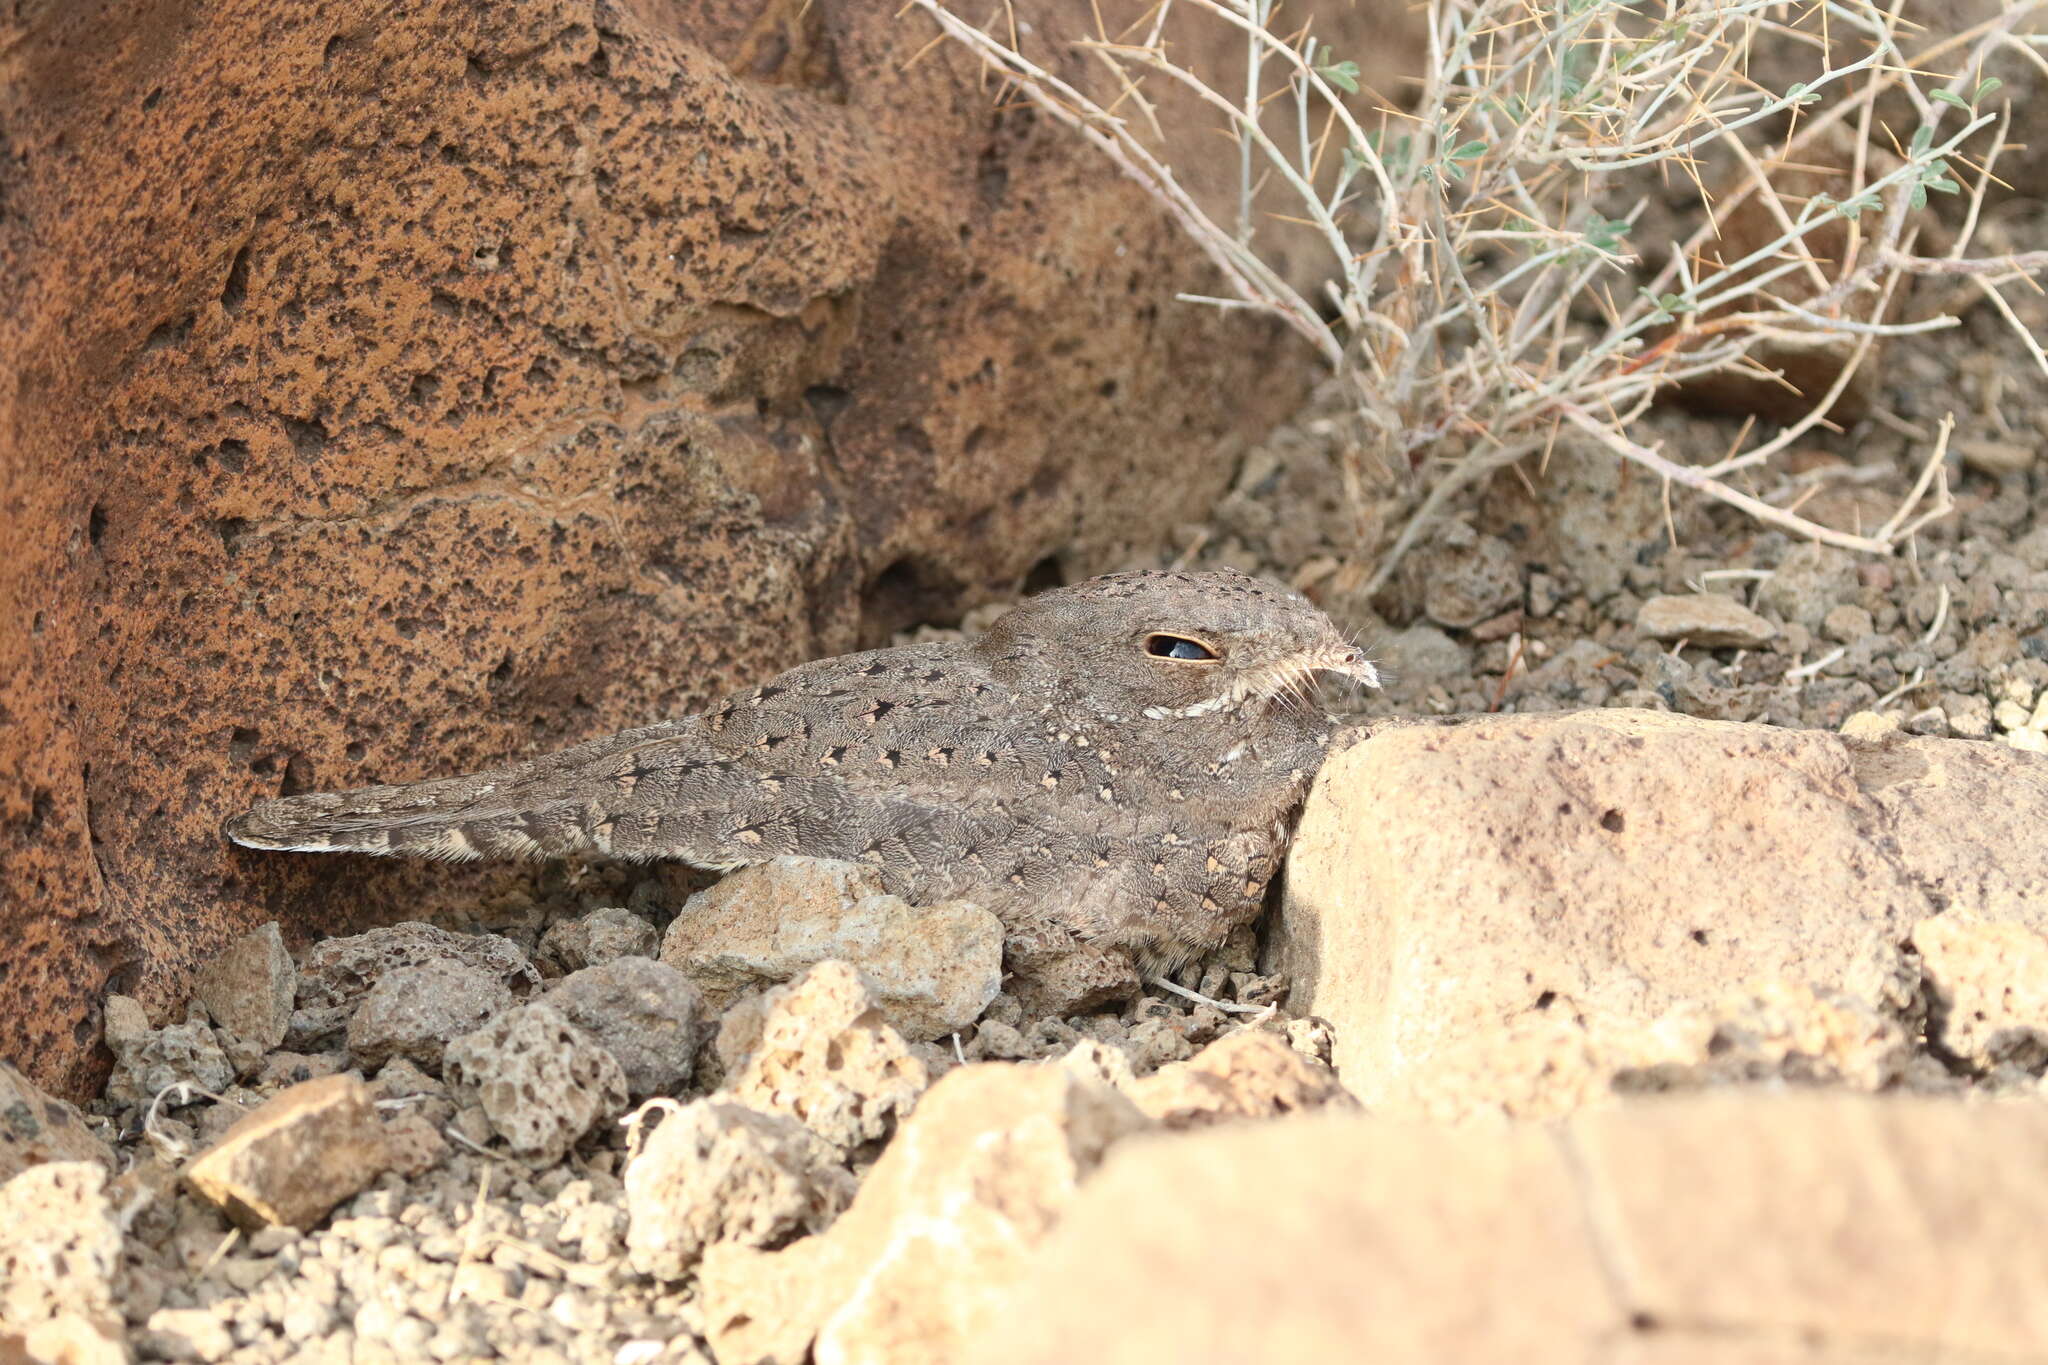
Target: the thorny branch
(1471, 281)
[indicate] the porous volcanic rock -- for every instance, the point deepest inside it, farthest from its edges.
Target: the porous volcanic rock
(403, 389)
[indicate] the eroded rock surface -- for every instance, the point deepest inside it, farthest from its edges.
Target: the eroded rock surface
(819, 1051)
(716, 1172)
(931, 970)
(1635, 894)
(540, 1080)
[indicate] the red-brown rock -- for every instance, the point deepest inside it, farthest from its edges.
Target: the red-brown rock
(400, 388)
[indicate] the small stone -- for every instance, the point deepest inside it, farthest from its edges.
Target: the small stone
(600, 936)
(820, 1051)
(249, 989)
(1704, 619)
(1054, 973)
(69, 1339)
(281, 1069)
(149, 1061)
(2031, 741)
(1421, 655)
(1545, 594)
(2011, 715)
(186, 1334)
(645, 1013)
(1847, 623)
(1996, 458)
(1931, 721)
(940, 1229)
(1467, 577)
(1807, 584)
(413, 1012)
(1969, 716)
(60, 1246)
(295, 1157)
(715, 1172)
(542, 1081)
(340, 971)
(1990, 979)
(931, 970)
(1249, 1075)
(35, 1127)
(995, 1041)
(412, 1143)
(1872, 727)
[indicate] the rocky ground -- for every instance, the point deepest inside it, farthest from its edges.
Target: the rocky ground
(1746, 898)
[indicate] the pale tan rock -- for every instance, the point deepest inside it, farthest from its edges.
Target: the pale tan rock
(60, 1247)
(1711, 1346)
(1965, 820)
(35, 1128)
(1848, 1218)
(931, 970)
(1789, 1228)
(1997, 458)
(819, 1051)
(1253, 1074)
(1704, 618)
(937, 1233)
(1501, 916)
(542, 1081)
(713, 1172)
(186, 1334)
(69, 1339)
(249, 989)
(296, 1157)
(1314, 1239)
(1051, 972)
(1990, 988)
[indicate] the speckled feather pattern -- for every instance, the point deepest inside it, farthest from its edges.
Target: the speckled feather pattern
(1056, 770)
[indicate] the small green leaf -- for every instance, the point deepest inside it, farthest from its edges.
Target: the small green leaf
(1923, 138)
(1950, 97)
(1944, 186)
(1988, 85)
(1469, 151)
(1919, 197)
(1343, 75)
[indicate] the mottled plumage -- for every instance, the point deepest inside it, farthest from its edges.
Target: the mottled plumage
(1073, 767)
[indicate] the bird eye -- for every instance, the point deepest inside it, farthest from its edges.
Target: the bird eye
(1162, 646)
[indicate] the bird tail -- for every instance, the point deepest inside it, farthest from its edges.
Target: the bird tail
(451, 818)
(532, 810)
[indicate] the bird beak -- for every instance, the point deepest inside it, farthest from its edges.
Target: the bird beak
(1360, 668)
(1353, 664)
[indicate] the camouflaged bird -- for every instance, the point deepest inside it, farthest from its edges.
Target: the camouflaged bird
(1122, 759)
